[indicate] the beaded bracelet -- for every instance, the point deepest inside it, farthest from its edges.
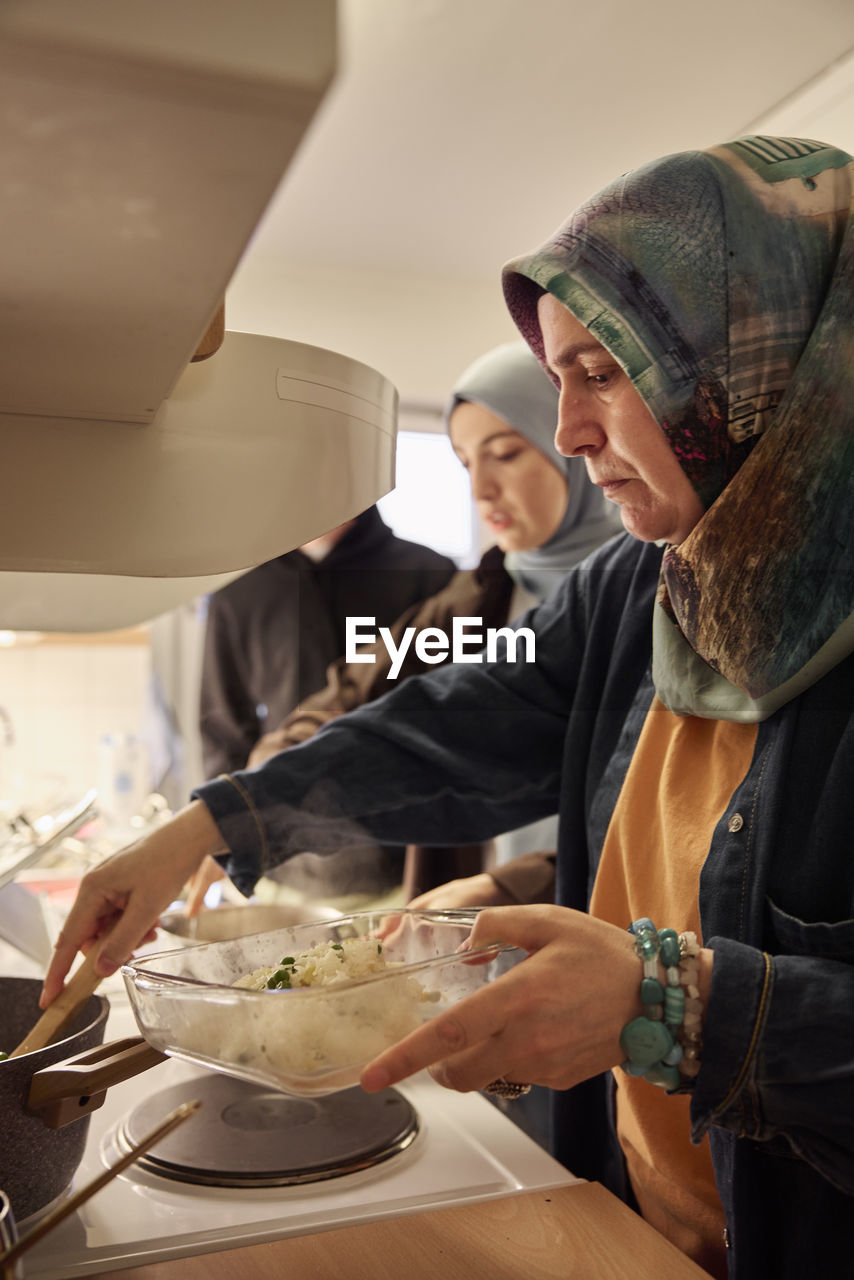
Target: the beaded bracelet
(664, 1044)
(691, 1031)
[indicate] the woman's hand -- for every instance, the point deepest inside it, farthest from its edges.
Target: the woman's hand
(200, 881)
(124, 896)
(554, 1019)
(264, 749)
(472, 891)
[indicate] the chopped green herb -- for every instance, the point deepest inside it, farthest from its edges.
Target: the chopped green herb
(287, 960)
(280, 980)
(3, 1055)
(336, 946)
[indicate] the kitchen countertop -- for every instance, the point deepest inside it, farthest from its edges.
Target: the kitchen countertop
(580, 1232)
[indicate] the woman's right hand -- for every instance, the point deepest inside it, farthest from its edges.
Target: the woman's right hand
(124, 896)
(554, 1019)
(472, 891)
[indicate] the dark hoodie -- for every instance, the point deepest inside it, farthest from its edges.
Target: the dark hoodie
(271, 633)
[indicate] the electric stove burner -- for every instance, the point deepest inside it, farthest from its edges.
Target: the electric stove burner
(247, 1136)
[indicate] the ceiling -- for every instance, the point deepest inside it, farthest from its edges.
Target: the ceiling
(461, 132)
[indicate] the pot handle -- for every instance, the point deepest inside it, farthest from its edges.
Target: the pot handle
(76, 1086)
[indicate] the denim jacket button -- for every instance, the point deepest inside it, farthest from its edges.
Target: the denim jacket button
(736, 822)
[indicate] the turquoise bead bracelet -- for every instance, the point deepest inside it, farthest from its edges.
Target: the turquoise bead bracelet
(663, 1044)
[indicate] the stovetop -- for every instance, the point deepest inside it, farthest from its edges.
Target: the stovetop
(247, 1135)
(465, 1151)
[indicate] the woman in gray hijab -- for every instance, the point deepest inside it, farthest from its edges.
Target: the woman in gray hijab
(511, 385)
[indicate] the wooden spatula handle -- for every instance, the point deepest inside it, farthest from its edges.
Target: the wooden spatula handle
(57, 1015)
(61, 1094)
(93, 1071)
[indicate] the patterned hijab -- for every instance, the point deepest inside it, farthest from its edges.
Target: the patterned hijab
(509, 382)
(722, 281)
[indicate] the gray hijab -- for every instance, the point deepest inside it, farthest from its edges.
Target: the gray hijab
(510, 382)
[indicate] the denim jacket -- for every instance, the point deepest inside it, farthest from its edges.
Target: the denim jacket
(470, 751)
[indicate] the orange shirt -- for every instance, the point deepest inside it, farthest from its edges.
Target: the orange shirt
(680, 781)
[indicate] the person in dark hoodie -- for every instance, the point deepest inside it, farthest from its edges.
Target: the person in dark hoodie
(271, 634)
(269, 637)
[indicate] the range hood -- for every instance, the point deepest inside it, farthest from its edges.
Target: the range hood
(141, 146)
(265, 445)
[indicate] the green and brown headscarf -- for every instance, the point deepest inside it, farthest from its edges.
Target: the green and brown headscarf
(723, 283)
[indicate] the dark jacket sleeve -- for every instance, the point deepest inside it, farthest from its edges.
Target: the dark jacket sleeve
(462, 754)
(437, 761)
(778, 1054)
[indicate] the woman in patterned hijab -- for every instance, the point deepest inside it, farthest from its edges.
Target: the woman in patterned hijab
(689, 712)
(722, 283)
(719, 284)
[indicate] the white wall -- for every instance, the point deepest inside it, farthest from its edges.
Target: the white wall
(62, 698)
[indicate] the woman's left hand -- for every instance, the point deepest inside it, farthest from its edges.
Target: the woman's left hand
(554, 1019)
(470, 891)
(199, 882)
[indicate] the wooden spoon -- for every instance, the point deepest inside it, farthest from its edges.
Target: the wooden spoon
(63, 1009)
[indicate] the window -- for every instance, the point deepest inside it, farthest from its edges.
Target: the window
(431, 502)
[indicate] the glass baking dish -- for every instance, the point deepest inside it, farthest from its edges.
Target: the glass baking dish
(316, 1039)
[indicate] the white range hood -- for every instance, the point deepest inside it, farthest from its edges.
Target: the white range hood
(141, 146)
(267, 444)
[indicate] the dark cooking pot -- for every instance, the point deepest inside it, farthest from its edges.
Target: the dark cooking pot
(37, 1163)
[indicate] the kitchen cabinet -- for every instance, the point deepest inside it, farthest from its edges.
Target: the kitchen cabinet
(580, 1232)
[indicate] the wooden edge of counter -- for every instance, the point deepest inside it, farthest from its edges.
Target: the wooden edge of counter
(580, 1232)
